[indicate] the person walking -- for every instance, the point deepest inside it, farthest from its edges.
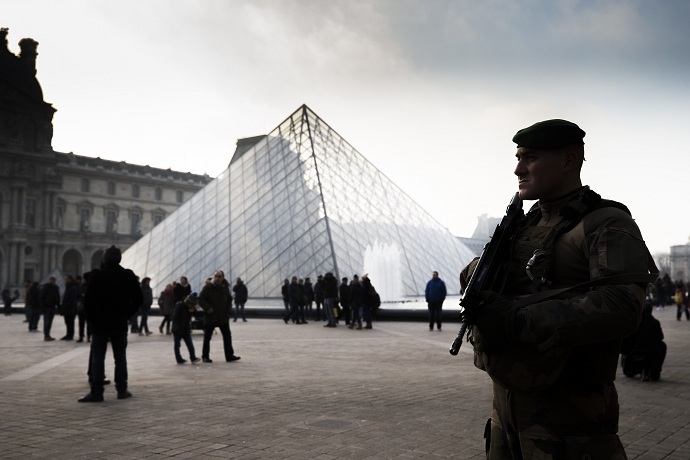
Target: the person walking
(435, 294)
(553, 360)
(50, 301)
(182, 314)
(147, 295)
(166, 303)
(284, 294)
(216, 301)
(241, 295)
(68, 307)
(681, 299)
(112, 298)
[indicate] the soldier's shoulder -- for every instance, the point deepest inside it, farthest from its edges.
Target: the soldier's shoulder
(609, 214)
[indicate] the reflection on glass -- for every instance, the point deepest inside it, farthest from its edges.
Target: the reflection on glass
(300, 201)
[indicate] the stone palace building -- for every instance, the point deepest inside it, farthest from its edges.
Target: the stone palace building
(59, 211)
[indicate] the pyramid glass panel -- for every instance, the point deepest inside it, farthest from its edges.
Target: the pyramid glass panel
(299, 202)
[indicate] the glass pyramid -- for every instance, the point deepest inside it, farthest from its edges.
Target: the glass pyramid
(300, 201)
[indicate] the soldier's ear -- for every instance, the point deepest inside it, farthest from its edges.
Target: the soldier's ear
(569, 161)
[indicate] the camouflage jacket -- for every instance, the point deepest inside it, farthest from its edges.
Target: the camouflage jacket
(575, 338)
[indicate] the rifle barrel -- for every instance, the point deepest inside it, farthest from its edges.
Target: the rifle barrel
(457, 343)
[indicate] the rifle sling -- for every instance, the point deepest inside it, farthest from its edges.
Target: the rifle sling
(627, 278)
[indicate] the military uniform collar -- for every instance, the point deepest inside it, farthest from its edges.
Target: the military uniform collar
(554, 206)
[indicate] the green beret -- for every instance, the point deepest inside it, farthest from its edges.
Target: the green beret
(549, 134)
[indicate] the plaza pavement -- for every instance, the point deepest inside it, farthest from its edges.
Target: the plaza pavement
(299, 392)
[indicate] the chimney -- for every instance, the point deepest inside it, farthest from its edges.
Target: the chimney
(28, 53)
(3, 40)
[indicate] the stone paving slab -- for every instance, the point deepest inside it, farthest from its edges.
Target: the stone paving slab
(298, 392)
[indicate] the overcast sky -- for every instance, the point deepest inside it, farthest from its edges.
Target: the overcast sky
(430, 91)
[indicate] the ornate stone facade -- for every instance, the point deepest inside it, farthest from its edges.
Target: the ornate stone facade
(59, 211)
(680, 262)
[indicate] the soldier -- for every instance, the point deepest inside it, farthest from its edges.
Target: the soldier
(553, 359)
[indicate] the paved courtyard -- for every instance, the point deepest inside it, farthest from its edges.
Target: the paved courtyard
(299, 392)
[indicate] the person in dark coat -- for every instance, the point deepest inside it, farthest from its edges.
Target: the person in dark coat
(330, 298)
(147, 294)
(356, 301)
(295, 299)
(302, 302)
(649, 351)
(27, 305)
(318, 297)
(68, 308)
(308, 290)
(435, 294)
(33, 299)
(284, 294)
(370, 301)
(216, 300)
(112, 298)
(84, 327)
(182, 314)
(166, 303)
(50, 300)
(7, 299)
(344, 295)
(182, 289)
(241, 295)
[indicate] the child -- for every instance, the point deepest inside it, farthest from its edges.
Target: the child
(181, 329)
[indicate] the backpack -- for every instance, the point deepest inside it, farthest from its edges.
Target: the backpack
(678, 298)
(376, 300)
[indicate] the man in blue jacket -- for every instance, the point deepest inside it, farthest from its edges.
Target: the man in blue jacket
(435, 294)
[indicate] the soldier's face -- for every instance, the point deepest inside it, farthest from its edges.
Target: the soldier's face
(540, 174)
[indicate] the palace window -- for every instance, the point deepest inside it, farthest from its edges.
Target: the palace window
(84, 219)
(31, 212)
(135, 219)
(111, 221)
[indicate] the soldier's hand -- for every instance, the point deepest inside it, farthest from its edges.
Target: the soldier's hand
(496, 321)
(467, 273)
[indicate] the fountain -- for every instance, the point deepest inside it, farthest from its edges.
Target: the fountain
(384, 265)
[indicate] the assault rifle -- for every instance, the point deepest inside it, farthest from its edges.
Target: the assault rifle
(489, 273)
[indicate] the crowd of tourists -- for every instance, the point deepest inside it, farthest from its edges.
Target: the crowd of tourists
(353, 302)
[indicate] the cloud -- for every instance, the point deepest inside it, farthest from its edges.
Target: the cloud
(513, 38)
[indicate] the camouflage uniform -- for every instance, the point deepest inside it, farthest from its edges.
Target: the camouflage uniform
(554, 396)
